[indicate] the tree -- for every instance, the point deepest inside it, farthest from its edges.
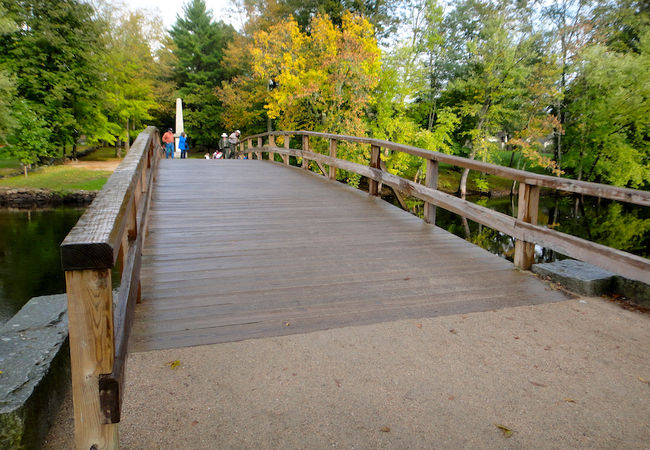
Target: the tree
(607, 126)
(7, 89)
(130, 71)
(52, 55)
(199, 45)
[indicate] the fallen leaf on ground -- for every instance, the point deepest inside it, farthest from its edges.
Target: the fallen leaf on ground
(507, 432)
(384, 429)
(194, 422)
(534, 383)
(452, 397)
(419, 325)
(174, 364)
(569, 400)
(452, 331)
(338, 382)
(642, 380)
(286, 324)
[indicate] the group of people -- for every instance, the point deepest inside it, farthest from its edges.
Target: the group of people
(168, 141)
(226, 150)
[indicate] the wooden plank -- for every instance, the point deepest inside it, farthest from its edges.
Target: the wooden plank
(90, 316)
(431, 182)
(95, 240)
(301, 250)
(623, 263)
(568, 185)
(527, 212)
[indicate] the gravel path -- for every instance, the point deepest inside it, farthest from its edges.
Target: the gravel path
(561, 375)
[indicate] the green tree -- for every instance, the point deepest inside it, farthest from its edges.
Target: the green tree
(7, 89)
(52, 54)
(199, 45)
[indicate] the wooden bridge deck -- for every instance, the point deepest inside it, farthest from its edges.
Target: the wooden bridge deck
(247, 249)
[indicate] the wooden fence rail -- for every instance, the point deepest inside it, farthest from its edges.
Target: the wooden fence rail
(112, 229)
(523, 228)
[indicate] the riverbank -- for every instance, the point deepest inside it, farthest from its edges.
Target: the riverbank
(29, 198)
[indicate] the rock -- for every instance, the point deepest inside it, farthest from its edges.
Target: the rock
(39, 198)
(35, 365)
(578, 276)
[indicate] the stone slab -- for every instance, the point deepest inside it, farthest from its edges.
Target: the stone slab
(35, 365)
(577, 276)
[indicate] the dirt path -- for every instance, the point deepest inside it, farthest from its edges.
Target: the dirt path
(572, 374)
(110, 165)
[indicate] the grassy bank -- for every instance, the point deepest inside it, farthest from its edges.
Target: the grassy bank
(60, 179)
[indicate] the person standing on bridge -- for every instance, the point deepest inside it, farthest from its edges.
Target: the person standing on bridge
(233, 140)
(168, 140)
(182, 145)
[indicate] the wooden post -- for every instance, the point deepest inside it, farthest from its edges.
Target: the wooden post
(333, 144)
(375, 162)
(305, 148)
(526, 212)
(431, 182)
(90, 317)
(287, 140)
(271, 144)
(250, 149)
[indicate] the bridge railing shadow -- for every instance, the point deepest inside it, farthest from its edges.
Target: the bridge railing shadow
(111, 232)
(523, 228)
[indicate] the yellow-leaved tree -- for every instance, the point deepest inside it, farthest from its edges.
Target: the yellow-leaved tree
(320, 80)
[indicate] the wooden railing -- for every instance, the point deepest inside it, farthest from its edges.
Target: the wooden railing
(523, 228)
(110, 232)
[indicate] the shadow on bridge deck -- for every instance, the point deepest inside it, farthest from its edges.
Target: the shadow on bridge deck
(249, 249)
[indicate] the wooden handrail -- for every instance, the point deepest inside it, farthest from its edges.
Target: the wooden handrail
(563, 184)
(523, 228)
(113, 227)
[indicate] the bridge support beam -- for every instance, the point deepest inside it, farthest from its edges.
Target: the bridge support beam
(375, 163)
(528, 207)
(305, 148)
(90, 316)
(431, 182)
(333, 144)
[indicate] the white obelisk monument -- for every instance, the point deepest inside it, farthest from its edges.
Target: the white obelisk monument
(179, 126)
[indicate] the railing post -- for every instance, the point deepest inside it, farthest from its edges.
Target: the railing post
(260, 144)
(90, 317)
(305, 148)
(271, 144)
(333, 144)
(431, 182)
(287, 140)
(250, 148)
(527, 211)
(375, 163)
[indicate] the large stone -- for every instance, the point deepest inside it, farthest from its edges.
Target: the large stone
(633, 290)
(578, 276)
(35, 365)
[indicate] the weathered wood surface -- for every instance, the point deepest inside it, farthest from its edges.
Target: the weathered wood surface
(564, 184)
(245, 249)
(95, 240)
(617, 261)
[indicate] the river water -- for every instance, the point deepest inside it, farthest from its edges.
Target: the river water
(29, 240)
(30, 263)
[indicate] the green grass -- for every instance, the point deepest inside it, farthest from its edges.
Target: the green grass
(9, 166)
(101, 154)
(60, 179)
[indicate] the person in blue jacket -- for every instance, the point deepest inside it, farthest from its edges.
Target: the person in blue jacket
(182, 145)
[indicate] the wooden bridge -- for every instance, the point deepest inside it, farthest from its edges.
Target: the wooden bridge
(216, 251)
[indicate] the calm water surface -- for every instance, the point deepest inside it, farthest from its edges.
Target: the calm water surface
(30, 264)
